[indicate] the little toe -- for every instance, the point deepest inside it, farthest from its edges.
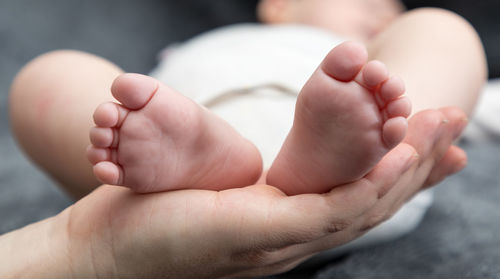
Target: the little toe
(134, 90)
(398, 107)
(373, 74)
(109, 115)
(345, 61)
(392, 89)
(108, 173)
(96, 155)
(394, 131)
(103, 137)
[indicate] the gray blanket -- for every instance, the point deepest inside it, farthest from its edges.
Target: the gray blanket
(458, 238)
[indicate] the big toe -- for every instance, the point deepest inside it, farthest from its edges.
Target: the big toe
(134, 90)
(345, 61)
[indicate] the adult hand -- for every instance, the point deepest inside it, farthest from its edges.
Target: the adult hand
(252, 231)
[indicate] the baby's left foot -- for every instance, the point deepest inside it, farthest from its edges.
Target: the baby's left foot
(348, 116)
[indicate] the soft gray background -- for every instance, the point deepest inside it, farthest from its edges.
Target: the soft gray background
(459, 236)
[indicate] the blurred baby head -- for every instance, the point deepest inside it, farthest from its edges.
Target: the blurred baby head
(358, 19)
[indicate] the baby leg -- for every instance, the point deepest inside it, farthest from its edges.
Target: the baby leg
(51, 103)
(441, 60)
(438, 55)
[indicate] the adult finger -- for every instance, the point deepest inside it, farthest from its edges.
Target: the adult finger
(432, 133)
(335, 211)
(453, 121)
(454, 160)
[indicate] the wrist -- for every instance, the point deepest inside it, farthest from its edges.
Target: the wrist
(87, 252)
(35, 251)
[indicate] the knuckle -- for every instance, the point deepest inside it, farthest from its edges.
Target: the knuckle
(254, 258)
(336, 226)
(297, 237)
(374, 219)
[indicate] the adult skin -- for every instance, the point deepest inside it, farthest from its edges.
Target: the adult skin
(245, 232)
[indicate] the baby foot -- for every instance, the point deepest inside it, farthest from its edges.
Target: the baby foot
(159, 140)
(347, 117)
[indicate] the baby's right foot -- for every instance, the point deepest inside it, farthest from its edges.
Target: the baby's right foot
(348, 116)
(159, 140)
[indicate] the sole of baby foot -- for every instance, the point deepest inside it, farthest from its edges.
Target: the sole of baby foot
(348, 115)
(157, 140)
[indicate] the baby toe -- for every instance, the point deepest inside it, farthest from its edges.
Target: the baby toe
(134, 90)
(398, 107)
(106, 115)
(108, 173)
(103, 137)
(392, 89)
(374, 73)
(109, 115)
(345, 61)
(96, 155)
(394, 131)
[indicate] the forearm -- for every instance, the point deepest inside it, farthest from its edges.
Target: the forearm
(36, 251)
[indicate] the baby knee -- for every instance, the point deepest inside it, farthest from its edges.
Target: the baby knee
(440, 19)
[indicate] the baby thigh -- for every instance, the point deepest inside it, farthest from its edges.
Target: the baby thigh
(52, 100)
(438, 54)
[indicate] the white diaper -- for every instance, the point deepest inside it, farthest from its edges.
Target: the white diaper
(484, 126)
(250, 75)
